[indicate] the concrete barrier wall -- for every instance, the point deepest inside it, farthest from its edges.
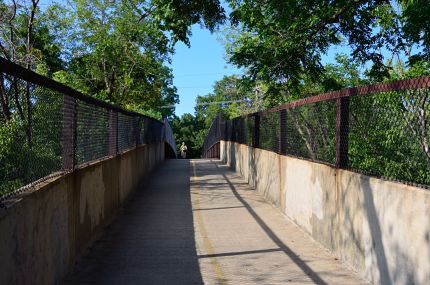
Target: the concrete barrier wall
(44, 232)
(379, 228)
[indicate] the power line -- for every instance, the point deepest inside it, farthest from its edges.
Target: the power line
(202, 74)
(190, 87)
(211, 103)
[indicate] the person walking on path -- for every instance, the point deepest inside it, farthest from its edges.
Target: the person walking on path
(184, 150)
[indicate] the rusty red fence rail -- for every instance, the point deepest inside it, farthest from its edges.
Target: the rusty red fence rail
(380, 129)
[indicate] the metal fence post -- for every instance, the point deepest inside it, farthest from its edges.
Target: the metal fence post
(113, 132)
(233, 130)
(145, 130)
(218, 132)
(283, 131)
(136, 131)
(242, 130)
(69, 132)
(342, 131)
(256, 135)
(226, 127)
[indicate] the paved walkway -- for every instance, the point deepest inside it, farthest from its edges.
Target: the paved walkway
(198, 223)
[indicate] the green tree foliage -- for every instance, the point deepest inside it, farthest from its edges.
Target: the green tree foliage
(283, 41)
(416, 25)
(119, 58)
(389, 135)
(232, 96)
(25, 36)
(190, 130)
(177, 16)
(21, 161)
(28, 114)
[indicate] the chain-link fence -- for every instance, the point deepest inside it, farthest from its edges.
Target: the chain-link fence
(47, 129)
(381, 130)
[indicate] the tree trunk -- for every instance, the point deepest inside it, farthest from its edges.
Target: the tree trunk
(30, 40)
(4, 102)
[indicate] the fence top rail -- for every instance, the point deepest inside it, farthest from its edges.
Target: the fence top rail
(13, 69)
(399, 85)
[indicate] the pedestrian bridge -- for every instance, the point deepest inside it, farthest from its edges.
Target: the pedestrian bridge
(250, 217)
(331, 189)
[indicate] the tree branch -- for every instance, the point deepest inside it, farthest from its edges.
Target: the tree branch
(334, 18)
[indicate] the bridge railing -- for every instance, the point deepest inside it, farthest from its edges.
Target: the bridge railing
(215, 134)
(47, 128)
(168, 136)
(381, 130)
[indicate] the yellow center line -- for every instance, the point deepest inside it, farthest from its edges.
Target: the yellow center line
(206, 242)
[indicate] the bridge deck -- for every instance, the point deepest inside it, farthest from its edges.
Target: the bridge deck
(198, 223)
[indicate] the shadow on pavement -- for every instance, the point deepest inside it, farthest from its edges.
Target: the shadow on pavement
(282, 247)
(152, 239)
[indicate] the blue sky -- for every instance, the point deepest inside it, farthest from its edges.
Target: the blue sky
(196, 69)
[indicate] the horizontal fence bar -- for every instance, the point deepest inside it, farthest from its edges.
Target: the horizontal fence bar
(400, 85)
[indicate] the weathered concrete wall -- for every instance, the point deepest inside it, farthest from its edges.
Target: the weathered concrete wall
(45, 231)
(379, 228)
(246, 161)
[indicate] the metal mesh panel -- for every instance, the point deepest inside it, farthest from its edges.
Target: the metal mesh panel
(234, 130)
(47, 128)
(381, 129)
(229, 130)
(249, 130)
(113, 132)
(126, 132)
(157, 128)
(140, 131)
(283, 131)
(92, 132)
(389, 135)
(28, 149)
(239, 132)
(153, 131)
(311, 131)
(269, 131)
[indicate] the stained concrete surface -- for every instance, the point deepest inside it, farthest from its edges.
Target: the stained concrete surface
(378, 227)
(196, 222)
(44, 230)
